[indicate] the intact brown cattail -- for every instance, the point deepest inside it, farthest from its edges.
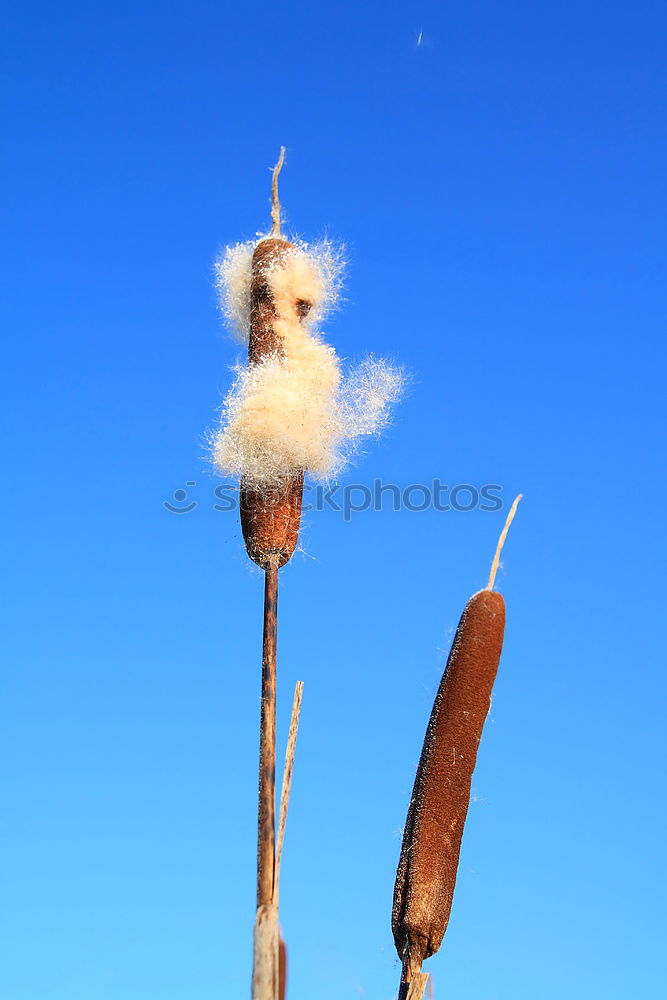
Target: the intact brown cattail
(270, 514)
(432, 838)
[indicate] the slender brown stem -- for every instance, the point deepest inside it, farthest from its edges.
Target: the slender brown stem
(413, 981)
(267, 744)
(406, 976)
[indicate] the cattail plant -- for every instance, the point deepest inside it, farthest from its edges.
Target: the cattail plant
(429, 857)
(292, 411)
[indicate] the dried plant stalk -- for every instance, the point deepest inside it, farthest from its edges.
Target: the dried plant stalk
(270, 520)
(265, 974)
(290, 411)
(287, 781)
(417, 986)
(267, 743)
(265, 955)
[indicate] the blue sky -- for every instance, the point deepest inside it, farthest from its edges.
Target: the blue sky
(500, 188)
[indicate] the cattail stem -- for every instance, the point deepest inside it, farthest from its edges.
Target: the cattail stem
(413, 981)
(265, 952)
(267, 744)
(407, 973)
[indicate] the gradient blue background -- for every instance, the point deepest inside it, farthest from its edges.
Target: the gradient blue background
(501, 189)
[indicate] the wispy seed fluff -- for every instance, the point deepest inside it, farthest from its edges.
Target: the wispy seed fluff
(296, 410)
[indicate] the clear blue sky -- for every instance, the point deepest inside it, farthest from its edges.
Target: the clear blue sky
(501, 189)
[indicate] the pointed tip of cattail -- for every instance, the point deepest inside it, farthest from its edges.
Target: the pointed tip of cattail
(501, 541)
(275, 201)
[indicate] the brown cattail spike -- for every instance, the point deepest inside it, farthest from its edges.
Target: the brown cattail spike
(432, 839)
(270, 521)
(264, 340)
(270, 514)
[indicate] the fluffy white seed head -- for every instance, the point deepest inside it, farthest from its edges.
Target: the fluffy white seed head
(296, 410)
(320, 265)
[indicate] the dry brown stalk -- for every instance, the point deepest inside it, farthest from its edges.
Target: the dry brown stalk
(429, 859)
(265, 955)
(413, 981)
(287, 780)
(270, 521)
(265, 966)
(267, 743)
(417, 986)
